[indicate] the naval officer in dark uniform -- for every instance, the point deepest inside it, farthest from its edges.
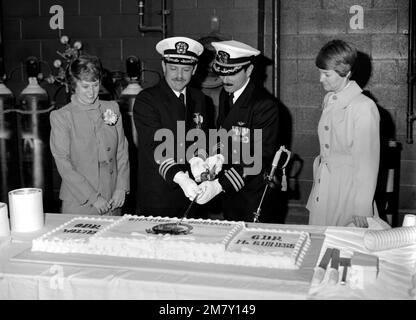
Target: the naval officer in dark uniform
(243, 107)
(163, 115)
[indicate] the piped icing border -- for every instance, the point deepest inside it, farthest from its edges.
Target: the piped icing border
(62, 226)
(158, 219)
(237, 225)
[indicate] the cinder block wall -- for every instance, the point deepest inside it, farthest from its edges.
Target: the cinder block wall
(108, 28)
(238, 19)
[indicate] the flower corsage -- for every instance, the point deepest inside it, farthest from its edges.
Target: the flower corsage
(110, 117)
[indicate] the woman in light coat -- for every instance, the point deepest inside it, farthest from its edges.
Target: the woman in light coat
(89, 146)
(345, 172)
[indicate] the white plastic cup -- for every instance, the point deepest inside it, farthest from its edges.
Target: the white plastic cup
(4, 221)
(26, 210)
(409, 220)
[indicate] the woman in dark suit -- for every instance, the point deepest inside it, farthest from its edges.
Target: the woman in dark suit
(89, 146)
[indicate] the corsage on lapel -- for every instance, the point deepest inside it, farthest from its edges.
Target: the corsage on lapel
(110, 117)
(198, 119)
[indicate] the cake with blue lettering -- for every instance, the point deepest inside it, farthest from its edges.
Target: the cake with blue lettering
(206, 241)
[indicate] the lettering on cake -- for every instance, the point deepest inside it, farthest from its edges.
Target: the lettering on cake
(80, 231)
(266, 237)
(273, 244)
(88, 226)
(163, 220)
(265, 241)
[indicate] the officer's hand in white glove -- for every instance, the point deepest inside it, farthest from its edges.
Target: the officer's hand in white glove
(198, 166)
(209, 190)
(217, 161)
(189, 186)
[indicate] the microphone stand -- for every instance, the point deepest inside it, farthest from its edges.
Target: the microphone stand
(269, 178)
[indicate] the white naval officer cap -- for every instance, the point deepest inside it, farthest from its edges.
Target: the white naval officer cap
(180, 50)
(232, 56)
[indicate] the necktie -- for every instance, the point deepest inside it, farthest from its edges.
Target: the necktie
(229, 105)
(230, 100)
(182, 98)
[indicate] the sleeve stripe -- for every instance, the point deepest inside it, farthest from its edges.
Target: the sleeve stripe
(165, 163)
(231, 180)
(238, 177)
(167, 169)
(165, 166)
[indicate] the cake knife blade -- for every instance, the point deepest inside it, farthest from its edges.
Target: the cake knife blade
(188, 209)
(333, 270)
(320, 271)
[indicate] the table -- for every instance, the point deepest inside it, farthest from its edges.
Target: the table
(24, 276)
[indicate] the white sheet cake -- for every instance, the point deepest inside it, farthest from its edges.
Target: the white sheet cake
(210, 241)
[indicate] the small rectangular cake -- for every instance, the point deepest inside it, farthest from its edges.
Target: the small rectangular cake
(282, 249)
(72, 236)
(206, 241)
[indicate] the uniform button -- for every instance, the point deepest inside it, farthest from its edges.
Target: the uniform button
(108, 148)
(181, 160)
(234, 151)
(326, 128)
(181, 144)
(335, 97)
(327, 146)
(317, 199)
(111, 171)
(111, 160)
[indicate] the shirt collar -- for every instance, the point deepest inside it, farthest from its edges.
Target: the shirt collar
(238, 92)
(78, 103)
(178, 93)
(346, 95)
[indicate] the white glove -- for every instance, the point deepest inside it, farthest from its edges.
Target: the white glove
(209, 190)
(217, 161)
(198, 166)
(189, 186)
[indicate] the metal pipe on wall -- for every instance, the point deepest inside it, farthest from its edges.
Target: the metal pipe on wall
(162, 28)
(411, 117)
(276, 47)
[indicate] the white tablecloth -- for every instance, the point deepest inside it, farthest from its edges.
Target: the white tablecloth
(396, 268)
(80, 277)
